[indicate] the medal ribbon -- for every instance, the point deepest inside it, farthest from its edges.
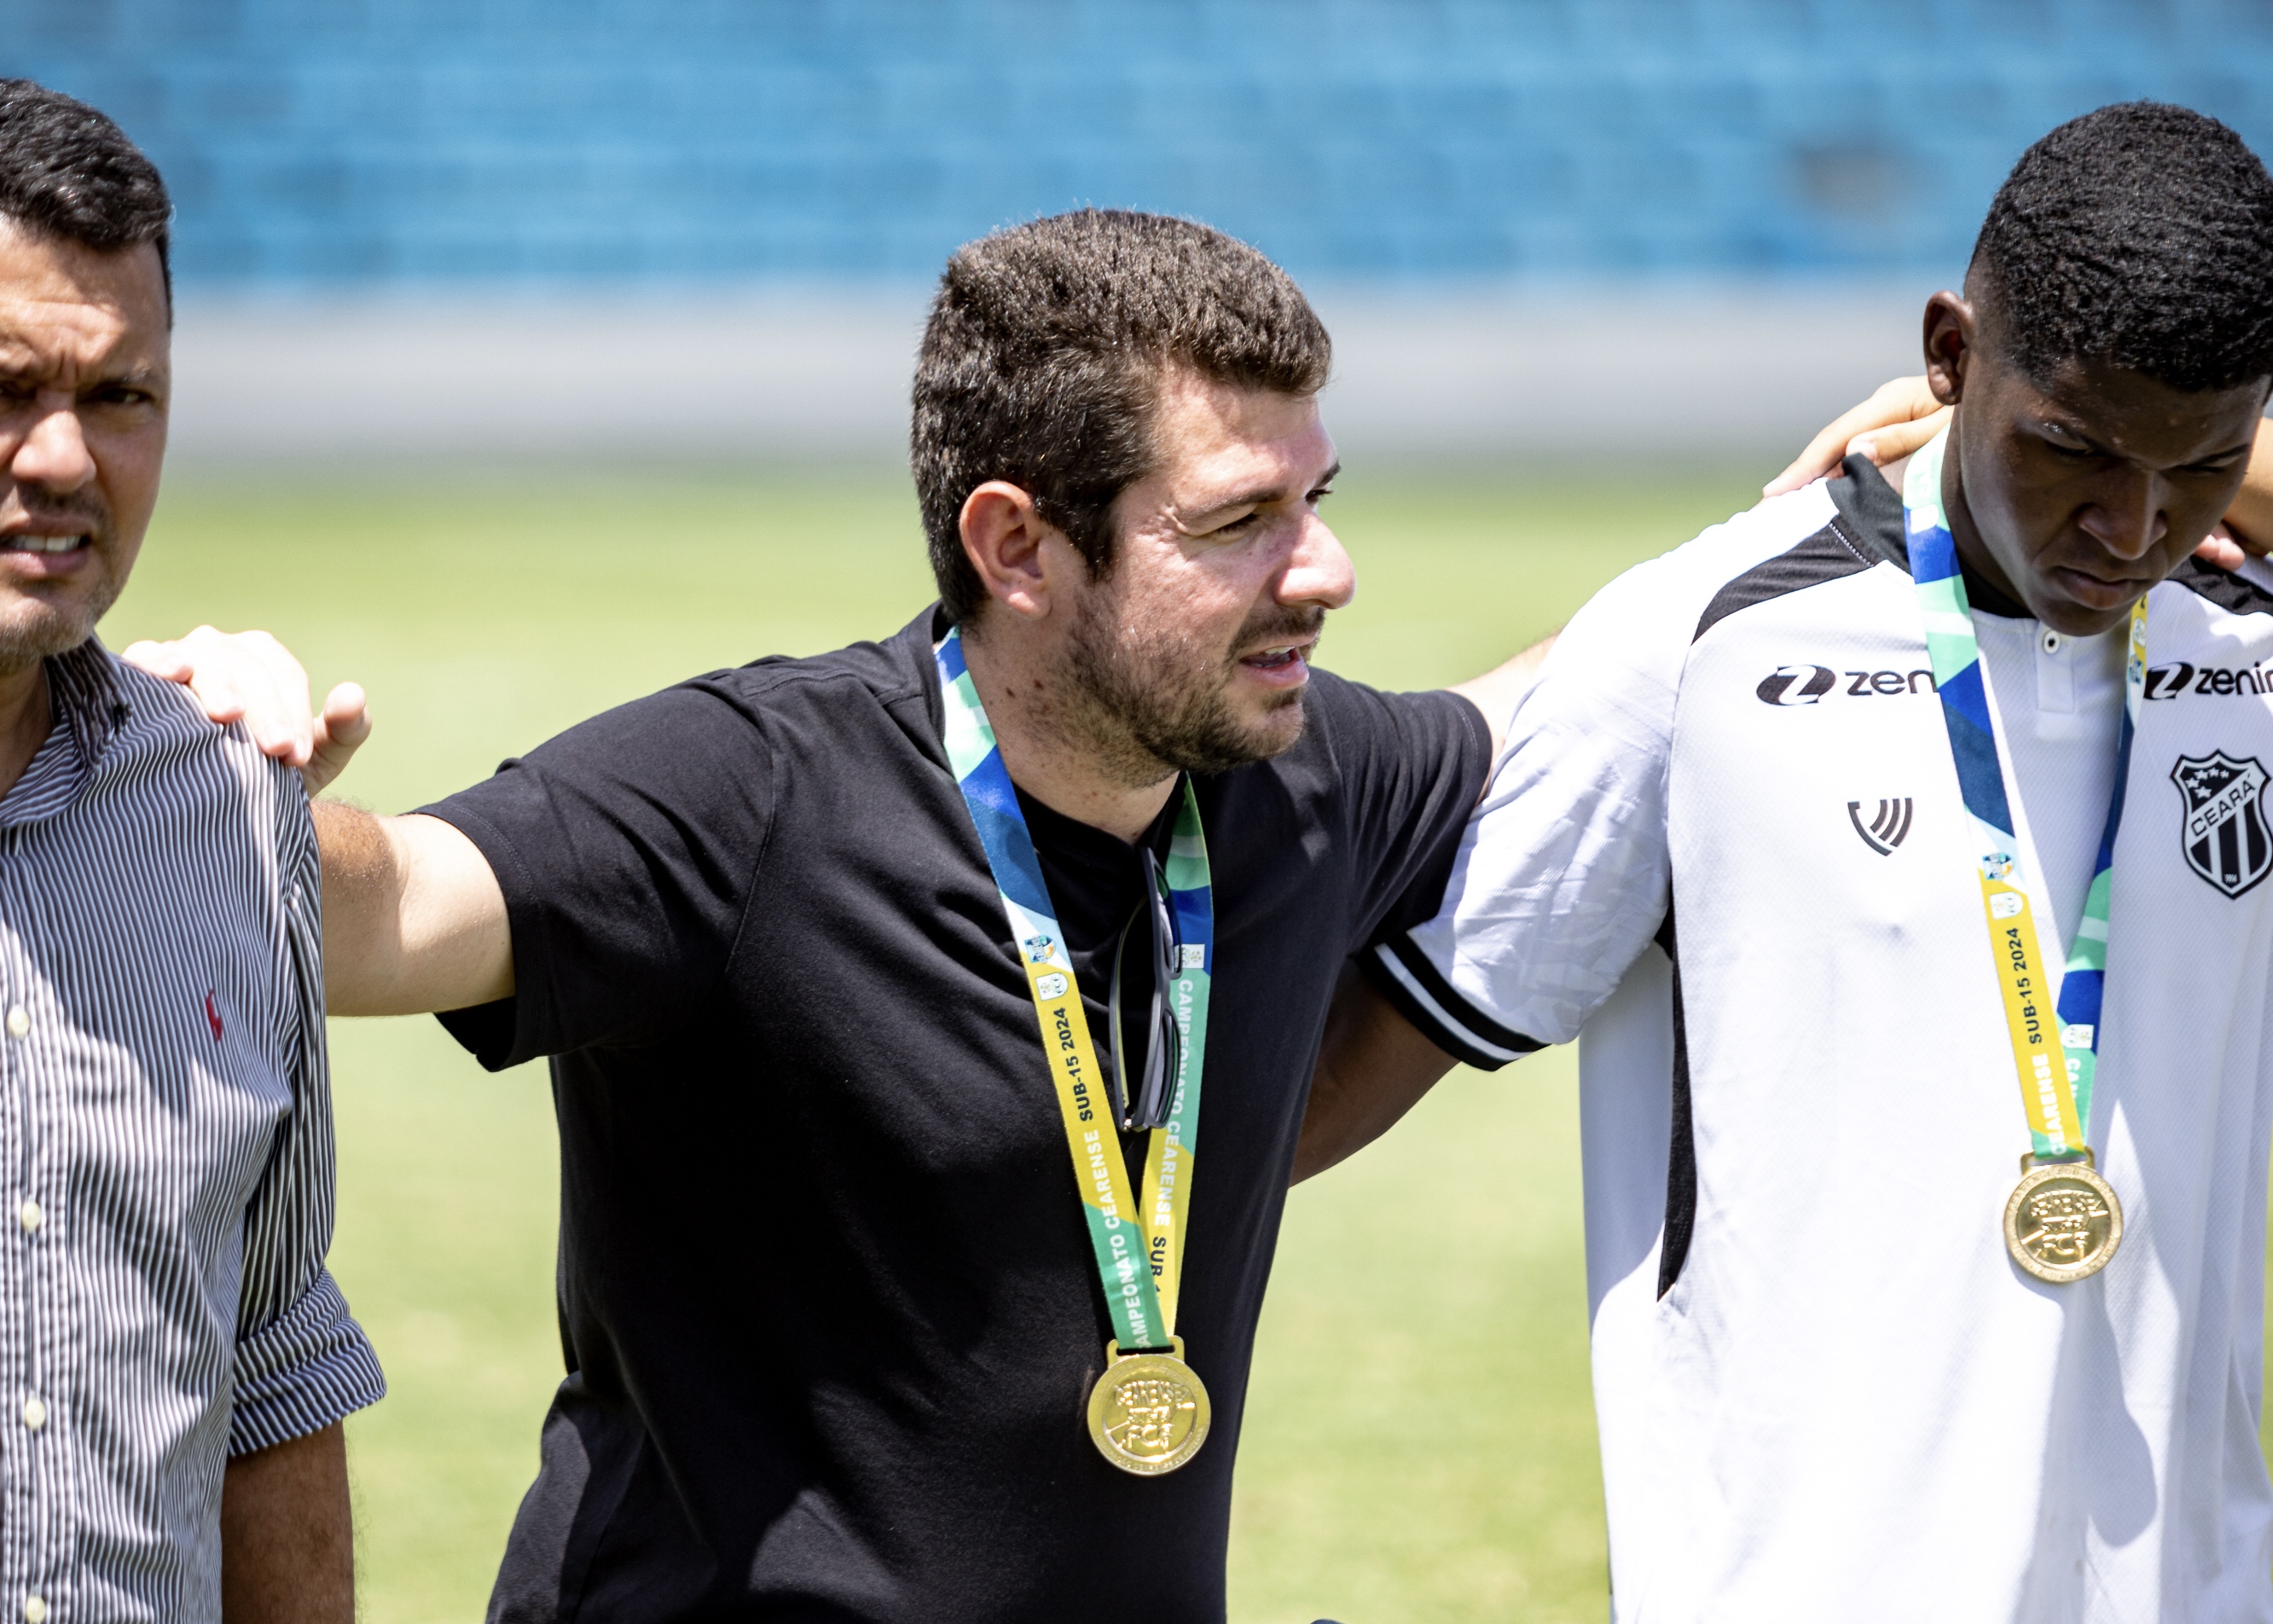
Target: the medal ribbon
(1140, 1249)
(2057, 1097)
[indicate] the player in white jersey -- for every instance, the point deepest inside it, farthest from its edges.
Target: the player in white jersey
(1740, 845)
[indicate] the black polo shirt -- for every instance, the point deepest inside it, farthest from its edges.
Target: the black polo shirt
(826, 1296)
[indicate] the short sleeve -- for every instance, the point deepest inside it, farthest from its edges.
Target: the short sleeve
(625, 849)
(1561, 877)
(1411, 766)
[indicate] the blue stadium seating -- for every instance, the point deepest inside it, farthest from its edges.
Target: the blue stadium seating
(322, 144)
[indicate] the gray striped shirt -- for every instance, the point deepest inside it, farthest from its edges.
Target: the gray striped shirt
(165, 1149)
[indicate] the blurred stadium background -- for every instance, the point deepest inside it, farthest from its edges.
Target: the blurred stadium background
(479, 225)
(531, 357)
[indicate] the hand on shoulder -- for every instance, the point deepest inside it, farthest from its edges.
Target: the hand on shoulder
(1898, 418)
(250, 677)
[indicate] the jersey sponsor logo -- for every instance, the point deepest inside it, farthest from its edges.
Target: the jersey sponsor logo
(2224, 835)
(1795, 685)
(2168, 681)
(1805, 685)
(1888, 827)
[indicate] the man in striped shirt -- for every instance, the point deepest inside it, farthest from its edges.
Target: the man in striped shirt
(175, 1361)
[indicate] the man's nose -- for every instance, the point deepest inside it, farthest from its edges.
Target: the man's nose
(1318, 571)
(53, 453)
(2128, 518)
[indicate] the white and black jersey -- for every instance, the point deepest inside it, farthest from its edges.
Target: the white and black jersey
(1726, 846)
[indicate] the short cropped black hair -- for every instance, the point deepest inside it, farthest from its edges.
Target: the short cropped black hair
(2140, 236)
(69, 174)
(1042, 361)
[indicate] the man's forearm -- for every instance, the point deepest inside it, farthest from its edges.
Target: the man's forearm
(1501, 689)
(288, 1534)
(413, 918)
(1373, 1067)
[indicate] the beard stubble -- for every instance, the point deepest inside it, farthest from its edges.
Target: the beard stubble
(1150, 703)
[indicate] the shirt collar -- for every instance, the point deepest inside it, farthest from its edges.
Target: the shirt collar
(88, 709)
(83, 690)
(1050, 828)
(1870, 517)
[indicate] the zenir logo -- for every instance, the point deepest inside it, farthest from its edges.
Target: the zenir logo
(1805, 685)
(1797, 685)
(2169, 681)
(1885, 830)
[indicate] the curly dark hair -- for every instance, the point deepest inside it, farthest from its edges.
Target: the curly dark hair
(2142, 236)
(1042, 360)
(71, 175)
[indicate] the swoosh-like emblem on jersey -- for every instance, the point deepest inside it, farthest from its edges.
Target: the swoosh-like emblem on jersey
(1889, 826)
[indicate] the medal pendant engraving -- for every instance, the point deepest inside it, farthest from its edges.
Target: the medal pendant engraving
(2063, 1222)
(1148, 1413)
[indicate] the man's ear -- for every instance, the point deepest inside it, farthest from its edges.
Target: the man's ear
(1950, 340)
(1010, 543)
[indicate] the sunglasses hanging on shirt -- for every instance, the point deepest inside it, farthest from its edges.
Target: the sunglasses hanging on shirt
(1143, 1091)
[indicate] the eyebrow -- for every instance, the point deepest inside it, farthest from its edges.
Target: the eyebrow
(138, 375)
(2239, 448)
(1256, 499)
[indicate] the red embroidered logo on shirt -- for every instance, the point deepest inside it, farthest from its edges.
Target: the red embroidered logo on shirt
(212, 1018)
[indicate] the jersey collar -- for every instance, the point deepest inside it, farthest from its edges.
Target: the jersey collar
(1870, 516)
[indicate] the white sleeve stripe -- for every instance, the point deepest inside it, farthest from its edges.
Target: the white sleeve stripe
(1437, 1012)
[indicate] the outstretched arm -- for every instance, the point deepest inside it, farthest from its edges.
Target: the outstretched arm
(1501, 689)
(1897, 420)
(1373, 1067)
(413, 917)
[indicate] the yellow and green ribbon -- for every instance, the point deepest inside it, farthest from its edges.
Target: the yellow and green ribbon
(2055, 1046)
(1138, 1243)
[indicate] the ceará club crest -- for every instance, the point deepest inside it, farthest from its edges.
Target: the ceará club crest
(2224, 836)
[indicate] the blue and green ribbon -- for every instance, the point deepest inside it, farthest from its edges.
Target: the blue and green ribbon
(1139, 1248)
(2058, 1102)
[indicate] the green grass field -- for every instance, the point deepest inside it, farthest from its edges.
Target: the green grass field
(1439, 1466)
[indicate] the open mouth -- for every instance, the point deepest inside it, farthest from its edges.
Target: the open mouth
(44, 544)
(1274, 659)
(1279, 665)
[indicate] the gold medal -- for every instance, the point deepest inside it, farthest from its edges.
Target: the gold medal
(2063, 1222)
(1148, 1413)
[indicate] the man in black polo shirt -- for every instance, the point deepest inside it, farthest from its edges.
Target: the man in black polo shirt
(831, 1309)
(832, 1318)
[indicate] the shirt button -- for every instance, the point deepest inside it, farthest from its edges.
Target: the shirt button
(30, 1216)
(19, 1021)
(35, 1610)
(2051, 643)
(35, 1413)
